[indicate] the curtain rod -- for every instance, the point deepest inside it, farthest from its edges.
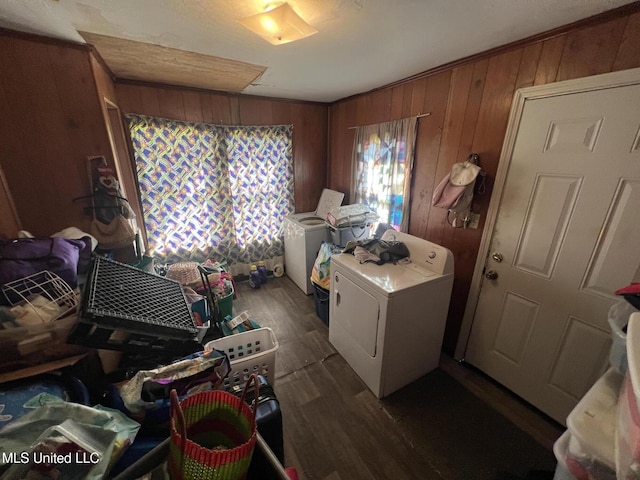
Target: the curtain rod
(417, 116)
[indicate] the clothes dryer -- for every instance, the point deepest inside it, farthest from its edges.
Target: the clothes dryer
(303, 235)
(388, 321)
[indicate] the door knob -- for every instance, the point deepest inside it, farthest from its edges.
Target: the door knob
(497, 257)
(491, 275)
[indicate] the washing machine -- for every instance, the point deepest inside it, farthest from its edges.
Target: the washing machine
(303, 235)
(388, 321)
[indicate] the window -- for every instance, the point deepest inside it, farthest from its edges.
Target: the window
(213, 191)
(382, 163)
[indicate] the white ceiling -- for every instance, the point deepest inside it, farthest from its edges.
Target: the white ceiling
(361, 44)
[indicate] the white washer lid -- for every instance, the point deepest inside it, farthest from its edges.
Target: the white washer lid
(329, 199)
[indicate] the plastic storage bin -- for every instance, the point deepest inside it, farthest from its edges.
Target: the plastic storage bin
(560, 448)
(249, 352)
(321, 299)
(618, 318)
(628, 431)
(225, 304)
(341, 235)
(592, 426)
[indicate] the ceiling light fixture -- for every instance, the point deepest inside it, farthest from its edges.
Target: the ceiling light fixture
(278, 24)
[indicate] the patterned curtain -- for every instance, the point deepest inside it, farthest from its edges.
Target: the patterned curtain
(381, 169)
(213, 191)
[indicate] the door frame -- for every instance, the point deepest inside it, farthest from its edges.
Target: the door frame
(587, 84)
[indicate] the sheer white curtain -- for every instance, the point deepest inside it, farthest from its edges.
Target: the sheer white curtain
(382, 162)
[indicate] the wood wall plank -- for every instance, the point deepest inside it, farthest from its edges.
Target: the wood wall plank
(54, 122)
(474, 119)
(428, 150)
(549, 62)
(528, 65)
(591, 51)
(628, 55)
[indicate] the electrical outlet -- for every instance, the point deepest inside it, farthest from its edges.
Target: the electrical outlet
(475, 220)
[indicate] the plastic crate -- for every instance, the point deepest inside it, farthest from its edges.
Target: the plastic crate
(125, 308)
(249, 352)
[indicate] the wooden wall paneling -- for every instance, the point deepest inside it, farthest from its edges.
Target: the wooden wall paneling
(407, 98)
(11, 152)
(465, 147)
(309, 142)
(83, 110)
(418, 94)
(380, 106)
(129, 98)
(16, 101)
(171, 103)
(362, 110)
(9, 221)
(251, 111)
(281, 113)
(342, 148)
(38, 118)
(150, 101)
(436, 225)
(48, 136)
(592, 50)
(221, 109)
(497, 96)
(337, 131)
(461, 82)
(316, 138)
(234, 110)
(397, 98)
(436, 94)
(499, 86)
(549, 62)
(192, 101)
(528, 65)
(627, 55)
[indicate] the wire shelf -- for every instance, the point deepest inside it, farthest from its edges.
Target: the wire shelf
(43, 296)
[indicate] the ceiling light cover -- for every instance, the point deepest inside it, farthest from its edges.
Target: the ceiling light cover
(279, 25)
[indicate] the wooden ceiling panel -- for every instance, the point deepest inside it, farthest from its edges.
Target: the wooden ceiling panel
(133, 60)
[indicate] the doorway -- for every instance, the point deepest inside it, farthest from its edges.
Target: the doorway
(561, 237)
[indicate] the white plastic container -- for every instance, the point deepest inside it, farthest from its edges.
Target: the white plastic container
(618, 318)
(249, 352)
(560, 448)
(592, 424)
(628, 432)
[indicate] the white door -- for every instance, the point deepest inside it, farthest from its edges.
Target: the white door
(566, 236)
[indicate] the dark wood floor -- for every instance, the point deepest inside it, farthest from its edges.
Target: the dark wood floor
(336, 429)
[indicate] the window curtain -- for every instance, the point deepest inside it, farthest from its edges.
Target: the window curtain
(381, 169)
(209, 191)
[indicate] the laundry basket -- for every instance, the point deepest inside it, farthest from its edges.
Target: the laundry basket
(249, 352)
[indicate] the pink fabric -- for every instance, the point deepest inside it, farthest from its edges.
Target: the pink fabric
(446, 195)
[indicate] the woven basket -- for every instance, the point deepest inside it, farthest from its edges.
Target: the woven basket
(184, 272)
(213, 435)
